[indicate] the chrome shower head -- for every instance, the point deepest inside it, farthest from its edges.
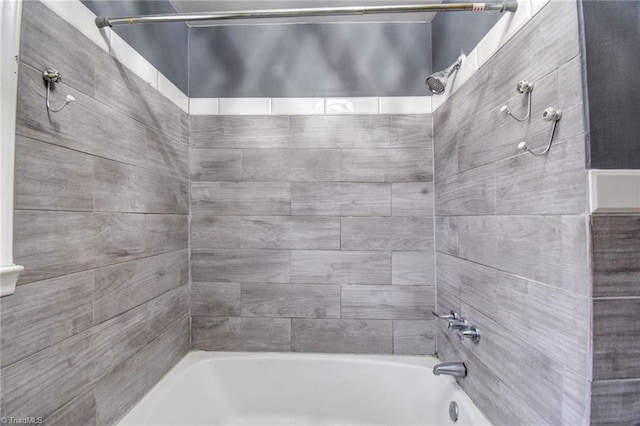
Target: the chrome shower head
(438, 80)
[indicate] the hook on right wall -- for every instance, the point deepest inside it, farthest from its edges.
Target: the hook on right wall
(549, 114)
(553, 114)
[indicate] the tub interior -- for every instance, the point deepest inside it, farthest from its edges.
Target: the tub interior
(284, 389)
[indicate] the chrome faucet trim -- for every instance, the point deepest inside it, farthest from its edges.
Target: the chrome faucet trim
(459, 324)
(453, 315)
(456, 369)
(472, 333)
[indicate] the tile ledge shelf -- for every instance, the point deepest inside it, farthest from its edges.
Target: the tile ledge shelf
(614, 191)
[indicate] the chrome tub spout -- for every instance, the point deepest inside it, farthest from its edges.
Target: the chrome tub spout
(456, 369)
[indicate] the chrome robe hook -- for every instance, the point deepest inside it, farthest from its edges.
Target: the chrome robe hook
(549, 114)
(51, 76)
(524, 87)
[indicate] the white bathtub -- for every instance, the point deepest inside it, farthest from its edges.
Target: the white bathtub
(217, 388)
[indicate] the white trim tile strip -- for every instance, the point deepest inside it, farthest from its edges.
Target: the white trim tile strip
(204, 106)
(310, 106)
(405, 105)
(171, 91)
(614, 191)
(130, 58)
(245, 106)
(367, 105)
(297, 106)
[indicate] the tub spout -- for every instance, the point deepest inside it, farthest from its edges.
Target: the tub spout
(456, 369)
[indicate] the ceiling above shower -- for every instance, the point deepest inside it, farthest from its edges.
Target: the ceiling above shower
(194, 6)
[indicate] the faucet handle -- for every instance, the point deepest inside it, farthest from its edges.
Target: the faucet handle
(472, 333)
(458, 324)
(453, 315)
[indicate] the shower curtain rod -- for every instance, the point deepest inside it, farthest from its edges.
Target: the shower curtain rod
(501, 6)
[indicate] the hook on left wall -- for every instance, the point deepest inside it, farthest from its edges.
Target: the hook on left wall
(52, 76)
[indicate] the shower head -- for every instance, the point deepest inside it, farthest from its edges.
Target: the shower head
(438, 80)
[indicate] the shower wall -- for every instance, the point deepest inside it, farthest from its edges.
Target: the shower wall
(511, 229)
(312, 233)
(101, 224)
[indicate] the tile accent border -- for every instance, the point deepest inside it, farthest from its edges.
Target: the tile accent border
(614, 191)
(310, 106)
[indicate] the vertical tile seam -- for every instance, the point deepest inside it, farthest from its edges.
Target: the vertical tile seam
(94, 162)
(393, 347)
(495, 189)
(93, 299)
(189, 224)
(590, 305)
(388, 128)
(341, 286)
(390, 182)
(435, 219)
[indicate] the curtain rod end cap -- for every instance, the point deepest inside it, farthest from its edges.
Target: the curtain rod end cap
(102, 22)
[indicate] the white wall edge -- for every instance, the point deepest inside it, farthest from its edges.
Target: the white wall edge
(405, 104)
(614, 191)
(173, 93)
(10, 21)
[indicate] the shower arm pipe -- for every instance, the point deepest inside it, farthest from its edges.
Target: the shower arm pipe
(500, 6)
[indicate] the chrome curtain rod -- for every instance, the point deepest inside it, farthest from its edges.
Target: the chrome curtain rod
(500, 6)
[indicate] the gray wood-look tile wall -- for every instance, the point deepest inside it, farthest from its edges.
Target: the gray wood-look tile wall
(511, 233)
(312, 234)
(101, 226)
(615, 241)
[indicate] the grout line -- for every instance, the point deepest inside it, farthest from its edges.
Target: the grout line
(393, 340)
